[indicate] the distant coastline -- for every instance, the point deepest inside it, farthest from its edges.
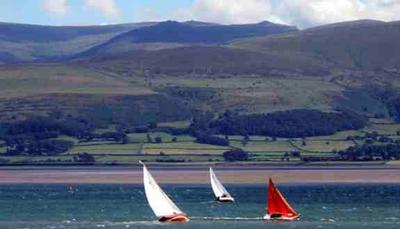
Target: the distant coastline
(234, 174)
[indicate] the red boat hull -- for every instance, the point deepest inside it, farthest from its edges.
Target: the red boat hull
(178, 218)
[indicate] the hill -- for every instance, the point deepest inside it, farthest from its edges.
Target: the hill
(23, 42)
(208, 60)
(33, 43)
(151, 91)
(361, 45)
(174, 34)
(315, 69)
(354, 50)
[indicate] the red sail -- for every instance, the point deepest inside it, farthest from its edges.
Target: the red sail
(277, 204)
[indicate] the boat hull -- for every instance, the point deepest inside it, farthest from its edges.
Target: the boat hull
(225, 199)
(280, 217)
(178, 218)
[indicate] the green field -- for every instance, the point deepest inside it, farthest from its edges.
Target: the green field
(322, 146)
(166, 138)
(264, 146)
(2, 147)
(106, 149)
(155, 158)
(177, 124)
(385, 129)
(183, 148)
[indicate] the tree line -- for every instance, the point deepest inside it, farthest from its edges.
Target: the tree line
(40, 135)
(289, 124)
(369, 152)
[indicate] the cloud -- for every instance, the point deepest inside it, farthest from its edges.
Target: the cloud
(306, 13)
(107, 7)
(57, 7)
(302, 13)
(228, 11)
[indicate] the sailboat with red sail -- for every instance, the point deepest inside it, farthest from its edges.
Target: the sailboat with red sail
(277, 206)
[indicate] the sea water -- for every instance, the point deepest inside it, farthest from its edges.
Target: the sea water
(125, 206)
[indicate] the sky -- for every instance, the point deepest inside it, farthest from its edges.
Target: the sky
(300, 13)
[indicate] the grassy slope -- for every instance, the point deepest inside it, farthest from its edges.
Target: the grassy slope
(39, 89)
(174, 34)
(30, 87)
(360, 44)
(22, 42)
(256, 94)
(17, 81)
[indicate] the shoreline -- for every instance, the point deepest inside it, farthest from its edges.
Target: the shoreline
(232, 174)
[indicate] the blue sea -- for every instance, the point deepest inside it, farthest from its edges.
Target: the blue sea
(125, 206)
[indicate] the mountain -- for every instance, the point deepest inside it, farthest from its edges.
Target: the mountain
(23, 42)
(127, 69)
(39, 33)
(30, 43)
(362, 45)
(175, 32)
(351, 48)
(172, 34)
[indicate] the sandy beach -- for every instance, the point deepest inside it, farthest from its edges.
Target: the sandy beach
(229, 174)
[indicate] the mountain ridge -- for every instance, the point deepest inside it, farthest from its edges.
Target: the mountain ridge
(172, 32)
(41, 43)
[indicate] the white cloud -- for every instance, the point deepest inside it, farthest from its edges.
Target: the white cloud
(58, 7)
(303, 13)
(228, 11)
(107, 7)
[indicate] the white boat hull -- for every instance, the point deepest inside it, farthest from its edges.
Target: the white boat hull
(225, 199)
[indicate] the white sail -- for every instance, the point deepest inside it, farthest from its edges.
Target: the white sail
(217, 187)
(161, 204)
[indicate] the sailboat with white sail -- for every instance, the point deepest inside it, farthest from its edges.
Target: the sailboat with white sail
(220, 192)
(160, 203)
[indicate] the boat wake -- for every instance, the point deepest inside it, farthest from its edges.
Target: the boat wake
(226, 218)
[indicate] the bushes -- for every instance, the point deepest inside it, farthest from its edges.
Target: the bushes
(28, 146)
(212, 140)
(85, 158)
(371, 152)
(235, 155)
(42, 126)
(109, 136)
(37, 135)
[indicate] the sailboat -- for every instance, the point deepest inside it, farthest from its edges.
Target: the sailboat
(221, 194)
(160, 203)
(277, 207)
